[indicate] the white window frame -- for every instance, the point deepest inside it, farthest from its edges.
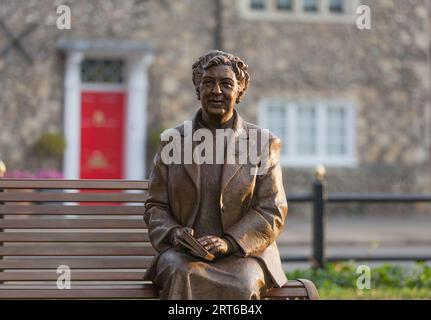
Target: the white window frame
(271, 12)
(289, 157)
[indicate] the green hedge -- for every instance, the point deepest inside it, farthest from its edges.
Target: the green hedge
(343, 275)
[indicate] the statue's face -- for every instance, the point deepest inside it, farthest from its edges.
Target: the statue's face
(218, 90)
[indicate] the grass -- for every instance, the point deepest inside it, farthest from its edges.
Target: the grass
(374, 294)
(339, 281)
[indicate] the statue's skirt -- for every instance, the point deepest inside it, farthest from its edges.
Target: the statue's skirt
(180, 275)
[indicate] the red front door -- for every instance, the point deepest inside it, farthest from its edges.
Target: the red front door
(102, 135)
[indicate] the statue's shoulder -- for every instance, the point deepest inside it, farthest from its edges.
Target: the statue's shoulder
(173, 131)
(273, 138)
(179, 127)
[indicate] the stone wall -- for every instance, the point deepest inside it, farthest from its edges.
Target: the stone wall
(384, 71)
(32, 95)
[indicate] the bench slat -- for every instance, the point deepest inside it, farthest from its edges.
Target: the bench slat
(144, 292)
(75, 276)
(71, 210)
(72, 224)
(71, 197)
(75, 250)
(293, 284)
(77, 263)
(287, 292)
(74, 184)
(73, 237)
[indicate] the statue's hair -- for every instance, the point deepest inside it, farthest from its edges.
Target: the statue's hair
(216, 58)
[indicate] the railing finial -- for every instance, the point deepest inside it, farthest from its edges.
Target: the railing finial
(2, 169)
(320, 172)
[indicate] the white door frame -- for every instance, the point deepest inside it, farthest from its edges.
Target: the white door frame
(136, 90)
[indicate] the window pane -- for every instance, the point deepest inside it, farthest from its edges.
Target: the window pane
(336, 6)
(257, 4)
(277, 122)
(336, 131)
(285, 5)
(102, 71)
(310, 5)
(306, 130)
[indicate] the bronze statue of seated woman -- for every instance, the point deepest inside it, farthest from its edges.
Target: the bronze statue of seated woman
(234, 212)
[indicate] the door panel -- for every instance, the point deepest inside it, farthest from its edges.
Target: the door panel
(102, 135)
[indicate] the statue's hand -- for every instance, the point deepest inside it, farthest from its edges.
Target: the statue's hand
(177, 234)
(214, 244)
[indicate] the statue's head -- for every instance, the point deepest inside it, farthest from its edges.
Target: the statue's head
(220, 80)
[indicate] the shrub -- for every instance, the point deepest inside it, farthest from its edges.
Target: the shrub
(19, 174)
(49, 145)
(41, 174)
(343, 275)
(49, 174)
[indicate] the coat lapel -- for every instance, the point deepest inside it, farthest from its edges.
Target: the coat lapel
(230, 170)
(193, 170)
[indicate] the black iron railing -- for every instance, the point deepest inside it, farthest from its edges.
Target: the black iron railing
(319, 197)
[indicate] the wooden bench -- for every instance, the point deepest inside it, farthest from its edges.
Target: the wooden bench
(94, 227)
